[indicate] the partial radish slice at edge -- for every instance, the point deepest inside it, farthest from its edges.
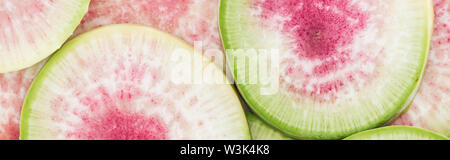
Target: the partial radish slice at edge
(115, 82)
(13, 89)
(431, 107)
(194, 21)
(31, 30)
(397, 133)
(262, 131)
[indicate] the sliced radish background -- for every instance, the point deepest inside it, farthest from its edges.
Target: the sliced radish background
(13, 88)
(116, 83)
(191, 20)
(31, 30)
(431, 107)
(345, 65)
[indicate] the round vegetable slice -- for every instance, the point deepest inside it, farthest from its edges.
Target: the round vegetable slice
(123, 82)
(343, 66)
(397, 133)
(13, 89)
(431, 107)
(194, 21)
(31, 30)
(262, 131)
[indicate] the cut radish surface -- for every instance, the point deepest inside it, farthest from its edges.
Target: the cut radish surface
(31, 30)
(13, 88)
(262, 131)
(117, 82)
(344, 66)
(431, 107)
(195, 21)
(397, 133)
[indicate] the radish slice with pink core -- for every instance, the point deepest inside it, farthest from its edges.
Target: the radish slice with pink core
(13, 88)
(31, 30)
(194, 21)
(116, 82)
(342, 66)
(397, 133)
(431, 107)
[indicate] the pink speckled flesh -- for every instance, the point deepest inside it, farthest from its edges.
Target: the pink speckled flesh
(323, 61)
(191, 20)
(13, 15)
(317, 32)
(116, 98)
(431, 107)
(13, 89)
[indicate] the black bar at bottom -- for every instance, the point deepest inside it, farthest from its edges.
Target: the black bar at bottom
(198, 150)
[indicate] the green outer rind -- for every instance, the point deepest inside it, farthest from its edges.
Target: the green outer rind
(390, 129)
(37, 83)
(256, 121)
(73, 24)
(292, 132)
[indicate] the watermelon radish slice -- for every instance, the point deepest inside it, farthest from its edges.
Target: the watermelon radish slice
(194, 21)
(344, 66)
(397, 133)
(13, 88)
(117, 82)
(431, 107)
(262, 131)
(31, 30)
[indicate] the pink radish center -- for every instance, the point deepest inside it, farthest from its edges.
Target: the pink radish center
(121, 125)
(105, 113)
(321, 34)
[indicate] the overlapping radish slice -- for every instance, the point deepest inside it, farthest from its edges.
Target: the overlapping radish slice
(31, 30)
(124, 82)
(344, 65)
(13, 89)
(262, 131)
(195, 21)
(397, 133)
(431, 107)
